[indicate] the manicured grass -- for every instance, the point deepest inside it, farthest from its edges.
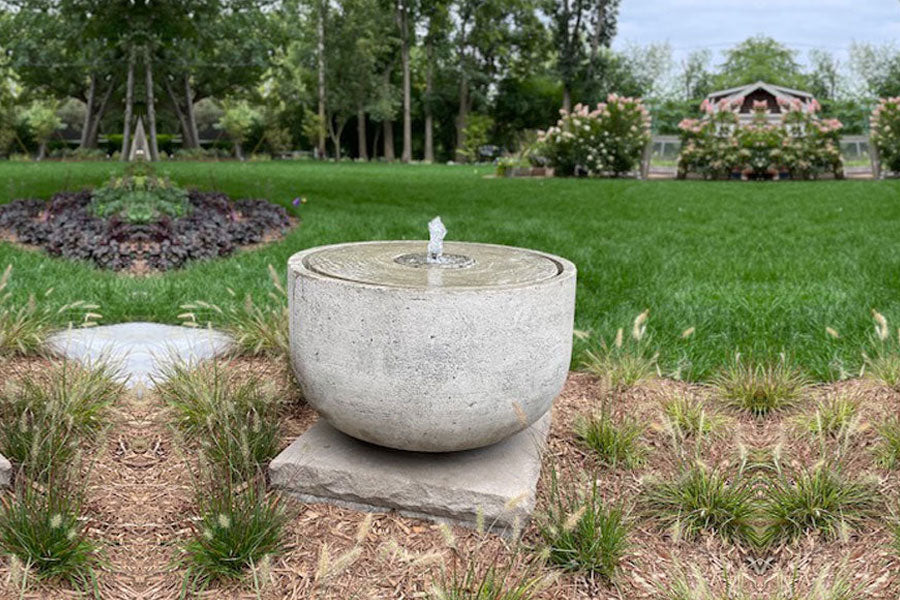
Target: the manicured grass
(759, 268)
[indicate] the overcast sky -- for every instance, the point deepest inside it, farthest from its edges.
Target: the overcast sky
(718, 24)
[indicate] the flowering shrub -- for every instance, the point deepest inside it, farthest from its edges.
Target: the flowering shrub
(886, 132)
(718, 145)
(606, 140)
(710, 146)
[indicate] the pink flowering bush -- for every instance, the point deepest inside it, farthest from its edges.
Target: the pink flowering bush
(607, 140)
(886, 132)
(720, 145)
(710, 146)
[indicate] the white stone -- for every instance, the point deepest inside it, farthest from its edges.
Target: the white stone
(498, 482)
(5, 472)
(430, 358)
(139, 350)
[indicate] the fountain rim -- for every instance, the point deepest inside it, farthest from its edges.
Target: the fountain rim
(297, 264)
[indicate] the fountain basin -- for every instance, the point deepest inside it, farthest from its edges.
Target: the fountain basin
(430, 358)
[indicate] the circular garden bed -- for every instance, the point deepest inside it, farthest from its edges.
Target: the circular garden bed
(141, 222)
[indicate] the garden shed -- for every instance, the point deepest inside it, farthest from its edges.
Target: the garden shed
(762, 92)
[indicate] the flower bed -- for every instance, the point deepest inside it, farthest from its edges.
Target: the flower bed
(886, 133)
(608, 140)
(800, 146)
(144, 235)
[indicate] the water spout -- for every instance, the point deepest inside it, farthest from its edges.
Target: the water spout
(436, 233)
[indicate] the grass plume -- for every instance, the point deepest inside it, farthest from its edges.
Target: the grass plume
(24, 327)
(702, 499)
(626, 360)
(612, 443)
(233, 418)
(238, 526)
(257, 328)
(580, 533)
(760, 389)
(820, 500)
(43, 414)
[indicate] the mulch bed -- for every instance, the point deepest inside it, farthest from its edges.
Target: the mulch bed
(140, 495)
(216, 226)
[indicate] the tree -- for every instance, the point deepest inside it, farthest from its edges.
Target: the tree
(321, 15)
(58, 49)
(7, 112)
(42, 122)
(696, 79)
(649, 68)
(436, 14)
(403, 12)
(525, 103)
(214, 49)
(7, 98)
(825, 75)
(581, 28)
(491, 38)
(761, 58)
(477, 130)
(877, 69)
(353, 77)
(129, 107)
(238, 121)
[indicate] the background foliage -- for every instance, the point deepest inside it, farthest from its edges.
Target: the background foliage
(243, 77)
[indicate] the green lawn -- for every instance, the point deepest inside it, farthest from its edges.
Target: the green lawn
(760, 268)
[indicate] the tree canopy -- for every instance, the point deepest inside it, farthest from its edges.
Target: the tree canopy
(761, 59)
(362, 77)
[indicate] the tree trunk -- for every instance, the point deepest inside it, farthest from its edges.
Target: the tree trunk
(389, 140)
(429, 90)
(129, 107)
(95, 122)
(599, 27)
(403, 23)
(461, 118)
(88, 113)
(429, 138)
(189, 112)
(321, 77)
(375, 139)
(567, 98)
(151, 109)
(336, 135)
(361, 134)
(42, 150)
(238, 151)
(186, 140)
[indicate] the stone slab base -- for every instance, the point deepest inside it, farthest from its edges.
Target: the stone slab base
(497, 482)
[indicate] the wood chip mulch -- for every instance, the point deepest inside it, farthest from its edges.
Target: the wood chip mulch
(140, 508)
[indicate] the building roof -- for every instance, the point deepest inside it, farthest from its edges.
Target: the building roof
(746, 90)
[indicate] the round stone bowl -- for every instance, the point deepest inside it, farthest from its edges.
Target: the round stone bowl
(426, 357)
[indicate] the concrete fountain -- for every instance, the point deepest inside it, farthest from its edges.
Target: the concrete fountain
(433, 368)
